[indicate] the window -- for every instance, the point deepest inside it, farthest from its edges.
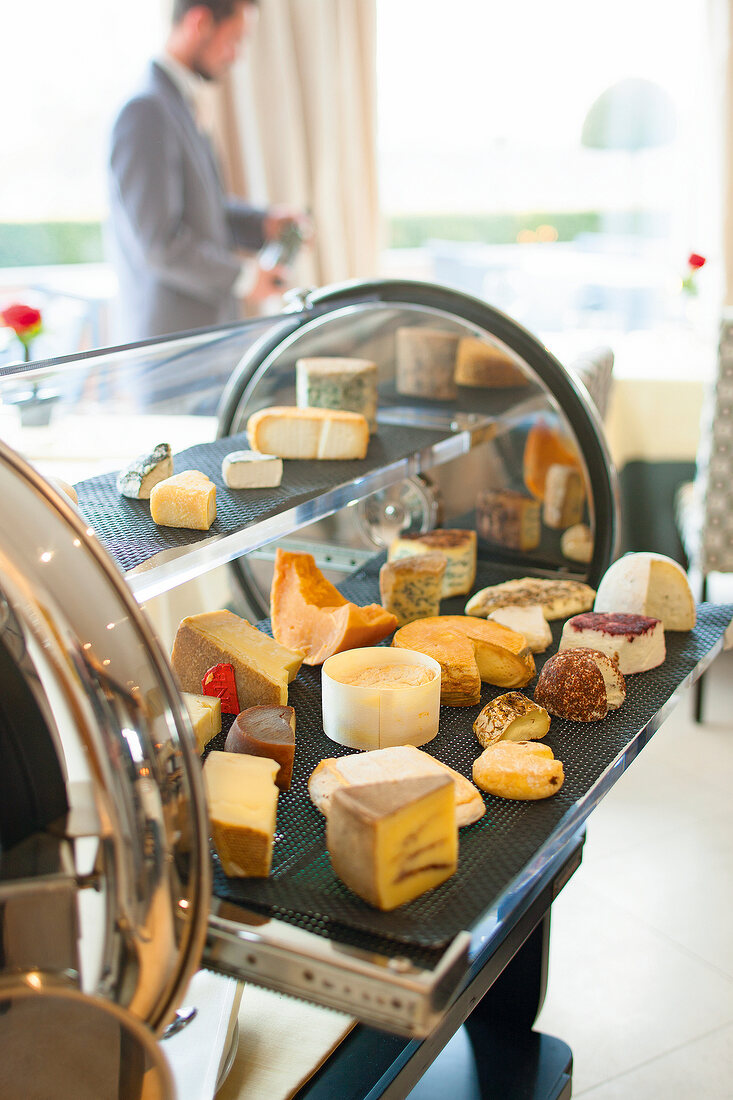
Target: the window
(555, 159)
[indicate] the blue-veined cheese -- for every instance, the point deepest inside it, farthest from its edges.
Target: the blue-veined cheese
(338, 383)
(459, 548)
(411, 588)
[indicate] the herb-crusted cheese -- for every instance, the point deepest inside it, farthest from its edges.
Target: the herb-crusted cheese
(458, 547)
(411, 587)
(338, 383)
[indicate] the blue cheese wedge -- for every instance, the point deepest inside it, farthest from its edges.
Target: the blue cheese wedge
(458, 547)
(251, 470)
(411, 588)
(145, 472)
(338, 383)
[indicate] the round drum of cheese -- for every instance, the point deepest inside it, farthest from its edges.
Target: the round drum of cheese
(376, 697)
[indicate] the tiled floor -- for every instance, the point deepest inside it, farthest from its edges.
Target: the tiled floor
(641, 956)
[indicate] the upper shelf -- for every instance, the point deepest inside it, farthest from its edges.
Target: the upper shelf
(157, 559)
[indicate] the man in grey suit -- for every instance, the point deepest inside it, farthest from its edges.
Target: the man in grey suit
(175, 234)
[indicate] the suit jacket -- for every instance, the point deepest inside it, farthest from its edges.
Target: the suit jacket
(173, 230)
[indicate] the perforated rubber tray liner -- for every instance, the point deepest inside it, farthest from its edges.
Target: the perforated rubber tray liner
(303, 889)
(129, 535)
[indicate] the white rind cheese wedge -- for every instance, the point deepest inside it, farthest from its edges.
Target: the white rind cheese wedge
(308, 433)
(251, 470)
(390, 765)
(636, 641)
(648, 584)
(528, 621)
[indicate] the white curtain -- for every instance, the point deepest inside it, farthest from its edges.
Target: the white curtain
(306, 121)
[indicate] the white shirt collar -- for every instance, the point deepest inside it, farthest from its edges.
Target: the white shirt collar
(196, 92)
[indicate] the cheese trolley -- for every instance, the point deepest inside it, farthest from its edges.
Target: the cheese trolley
(111, 894)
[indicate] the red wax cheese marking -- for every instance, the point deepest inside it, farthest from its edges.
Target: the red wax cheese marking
(219, 681)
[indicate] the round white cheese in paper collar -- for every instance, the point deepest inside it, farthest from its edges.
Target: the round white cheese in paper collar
(376, 697)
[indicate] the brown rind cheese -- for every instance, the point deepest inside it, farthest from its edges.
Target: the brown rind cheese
(580, 685)
(425, 363)
(469, 651)
(266, 731)
(508, 519)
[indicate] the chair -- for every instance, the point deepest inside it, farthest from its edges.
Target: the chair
(704, 507)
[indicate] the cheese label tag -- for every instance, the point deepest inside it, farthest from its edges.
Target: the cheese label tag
(219, 681)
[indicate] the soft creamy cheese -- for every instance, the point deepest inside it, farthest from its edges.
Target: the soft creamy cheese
(395, 676)
(636, 641)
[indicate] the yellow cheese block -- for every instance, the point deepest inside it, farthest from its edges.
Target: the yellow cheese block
(187, 499)
(390, 842)
(242, 799)
(262, 667)
(205, 714)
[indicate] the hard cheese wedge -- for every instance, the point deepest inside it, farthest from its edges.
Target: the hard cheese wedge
(187, 500)
(262, 667)
(390, 842)
(242, 799)
(205, 714)
(310, 615)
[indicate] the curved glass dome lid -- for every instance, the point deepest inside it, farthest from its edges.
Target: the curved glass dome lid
(104, 863)
(441, 353)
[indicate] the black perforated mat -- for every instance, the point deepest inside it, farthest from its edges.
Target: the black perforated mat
(129, 535)
(303, 888)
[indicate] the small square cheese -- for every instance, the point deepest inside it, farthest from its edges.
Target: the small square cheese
(251, 470)
(187, 500)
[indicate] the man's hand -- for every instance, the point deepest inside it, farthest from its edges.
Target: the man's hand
(266, 282)
(280, 218)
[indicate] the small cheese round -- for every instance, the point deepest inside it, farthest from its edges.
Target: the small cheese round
(580, 684)
(511, 717)
(521, 770)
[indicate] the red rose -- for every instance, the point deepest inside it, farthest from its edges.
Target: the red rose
(696, 261)
(23, 320)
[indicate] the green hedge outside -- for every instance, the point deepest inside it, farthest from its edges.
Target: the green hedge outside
(24, 244)
(36, 243)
